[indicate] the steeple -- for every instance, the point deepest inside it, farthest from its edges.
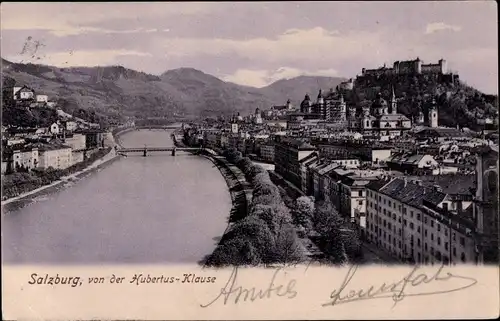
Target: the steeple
(394, 107)
(320, 97)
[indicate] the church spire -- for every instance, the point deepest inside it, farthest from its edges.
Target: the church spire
(394, 106)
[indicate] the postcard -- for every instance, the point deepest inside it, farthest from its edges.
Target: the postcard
(249, 160)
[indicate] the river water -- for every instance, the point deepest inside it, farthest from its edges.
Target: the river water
(155, 209)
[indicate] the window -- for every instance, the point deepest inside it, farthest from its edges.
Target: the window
(379, 198)
(389, 202)
(360, 202)
(418, 242)
(445, 232)
(394, 216)
(454, 236)
(385, 224)
(462, 257)
(404, 222)
(389, 238)
(418, 216)
(360, 193)
(404, 210)
(418, 229)
(399, 244)
(411, 225)
(425, 219)
(411, 214)
(446, 245)
(439, 227)
(439, 240)
(425, 246)
(399, 219)
(383, 211)
(454, 251)
(462, 241)
(432, 223)
(432, 237)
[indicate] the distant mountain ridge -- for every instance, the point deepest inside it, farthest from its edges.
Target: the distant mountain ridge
(116, 91)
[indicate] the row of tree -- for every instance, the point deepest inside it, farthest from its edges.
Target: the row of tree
(265, 235)
(336, 237)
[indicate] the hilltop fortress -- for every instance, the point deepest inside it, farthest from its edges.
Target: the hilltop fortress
(409, 67)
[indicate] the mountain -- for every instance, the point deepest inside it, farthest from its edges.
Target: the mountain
(116, 93)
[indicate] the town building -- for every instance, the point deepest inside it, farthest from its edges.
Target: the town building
(267, 152)
(411, 222)
(55, 156)
(412, 163)
(287, 156)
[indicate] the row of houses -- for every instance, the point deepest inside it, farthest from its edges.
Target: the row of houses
(422, 218)
(58, 152)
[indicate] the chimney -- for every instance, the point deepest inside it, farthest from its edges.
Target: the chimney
(405, 181)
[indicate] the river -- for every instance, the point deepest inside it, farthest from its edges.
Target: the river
(138, 210)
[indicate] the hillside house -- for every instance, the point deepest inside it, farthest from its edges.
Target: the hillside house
(23, 93)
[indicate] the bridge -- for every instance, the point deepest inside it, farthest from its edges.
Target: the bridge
(146, 150)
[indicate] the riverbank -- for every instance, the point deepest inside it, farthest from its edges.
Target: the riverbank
(96, 165)
(113, 140)
(239, 189)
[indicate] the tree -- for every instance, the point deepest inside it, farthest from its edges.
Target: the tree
(237, 251)
(289, 249)
(257, 233)
(303, 212)
(328, 224)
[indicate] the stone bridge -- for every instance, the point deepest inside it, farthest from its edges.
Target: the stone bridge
(146, 150)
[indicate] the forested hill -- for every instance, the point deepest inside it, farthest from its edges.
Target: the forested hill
(458, 103)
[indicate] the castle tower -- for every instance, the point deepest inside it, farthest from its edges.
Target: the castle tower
(433, 114)
(443, 65)
(288, 104)
(394, 106)
(418, 66)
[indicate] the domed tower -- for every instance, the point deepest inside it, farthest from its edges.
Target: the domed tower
(379, 106)
(305, 105)
(433, 114)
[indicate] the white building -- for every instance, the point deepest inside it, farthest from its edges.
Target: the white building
(57, 157)
(42, 98)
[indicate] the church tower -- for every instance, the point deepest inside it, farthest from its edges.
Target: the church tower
(394, 104)
(342, 108)
(433, 114)
(485, 205)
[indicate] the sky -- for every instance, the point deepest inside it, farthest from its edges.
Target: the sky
(257, 43)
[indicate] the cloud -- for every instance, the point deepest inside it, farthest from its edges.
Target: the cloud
(64, 19)
(261, 78)
(80, 58)
(310, 45)
(440, 26)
